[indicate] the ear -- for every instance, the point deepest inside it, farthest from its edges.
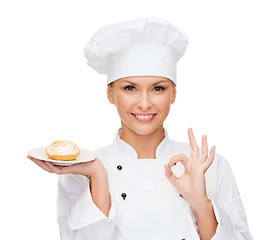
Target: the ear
(109, 94)
(174, 93)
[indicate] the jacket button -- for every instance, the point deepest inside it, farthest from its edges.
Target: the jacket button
(123, 195)
(119, 167)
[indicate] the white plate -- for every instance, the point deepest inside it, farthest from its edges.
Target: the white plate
(84, 156)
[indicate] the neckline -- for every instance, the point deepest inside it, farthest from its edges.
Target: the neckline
(128, 151)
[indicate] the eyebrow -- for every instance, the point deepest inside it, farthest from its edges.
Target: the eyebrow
(162, 81)
(132, 83)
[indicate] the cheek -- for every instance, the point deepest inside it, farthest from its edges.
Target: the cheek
(123, 103)
(164, 104)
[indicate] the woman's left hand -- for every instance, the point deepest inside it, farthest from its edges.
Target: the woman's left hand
(191, 185)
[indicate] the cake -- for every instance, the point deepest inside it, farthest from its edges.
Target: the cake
(64, 150)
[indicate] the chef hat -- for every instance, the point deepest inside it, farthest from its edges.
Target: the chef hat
(148, 46)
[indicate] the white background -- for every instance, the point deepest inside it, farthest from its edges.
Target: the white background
(48, 92)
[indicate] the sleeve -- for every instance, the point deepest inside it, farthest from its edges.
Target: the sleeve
(228, 208)
(78, 216)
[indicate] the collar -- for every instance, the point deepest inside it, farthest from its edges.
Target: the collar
(126, 150)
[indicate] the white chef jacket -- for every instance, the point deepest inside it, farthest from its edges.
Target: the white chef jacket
(144, 204)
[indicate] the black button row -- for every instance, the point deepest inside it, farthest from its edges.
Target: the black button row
(123, 195)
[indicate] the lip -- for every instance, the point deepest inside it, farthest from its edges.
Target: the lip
(145, 119)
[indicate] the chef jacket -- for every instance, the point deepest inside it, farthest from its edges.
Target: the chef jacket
(144, 204)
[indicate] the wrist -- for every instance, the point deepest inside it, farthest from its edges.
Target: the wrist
(99, 189)
(202, 206)
(99, 177)
(206, 219)
(98, 171)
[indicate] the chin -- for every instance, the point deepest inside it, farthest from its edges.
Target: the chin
(143, 130)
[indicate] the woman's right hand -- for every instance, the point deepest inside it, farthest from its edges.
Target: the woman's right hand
(92, 169)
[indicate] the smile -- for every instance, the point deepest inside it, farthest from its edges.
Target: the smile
(143, 117)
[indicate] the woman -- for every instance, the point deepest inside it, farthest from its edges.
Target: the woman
(144, 185)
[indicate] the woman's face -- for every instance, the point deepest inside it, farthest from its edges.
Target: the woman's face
(143, 102)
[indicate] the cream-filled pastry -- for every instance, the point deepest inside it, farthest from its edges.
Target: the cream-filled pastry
(64, 150)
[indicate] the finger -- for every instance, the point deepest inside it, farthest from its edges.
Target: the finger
(65, 170)
(204, 149)
(73, 169)
(179, 158)
(41, 164)
(31, 158)
(193, 143)
(61, 169)
(210, 159)
(49, 167)
(169, 174)
(54, 169)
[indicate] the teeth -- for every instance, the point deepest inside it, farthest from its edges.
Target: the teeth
(144, 116)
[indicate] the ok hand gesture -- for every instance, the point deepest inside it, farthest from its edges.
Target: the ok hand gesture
(191, 185)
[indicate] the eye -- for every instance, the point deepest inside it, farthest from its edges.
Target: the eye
(159, 88)
(129, 88)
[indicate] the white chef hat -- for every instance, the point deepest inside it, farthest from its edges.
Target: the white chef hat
(148, 46)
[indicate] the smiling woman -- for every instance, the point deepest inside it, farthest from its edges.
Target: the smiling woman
(145, 185)
(143, 104)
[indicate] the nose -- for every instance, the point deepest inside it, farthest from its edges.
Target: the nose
(144, 101)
